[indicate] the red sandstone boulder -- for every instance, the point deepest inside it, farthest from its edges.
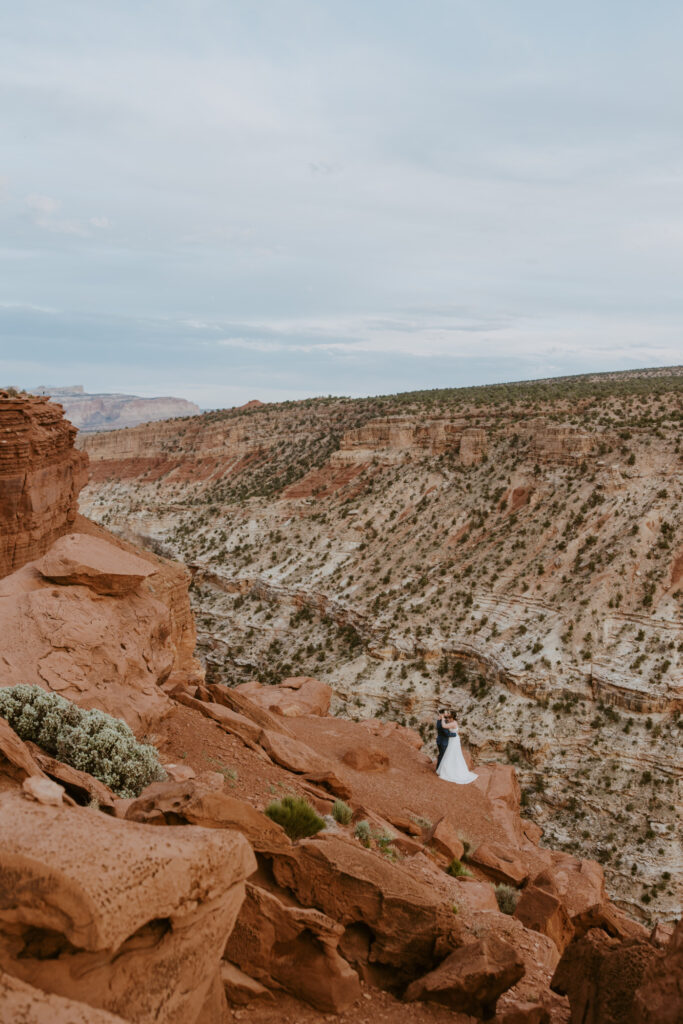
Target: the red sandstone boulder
(298, 757)
(240, 988)
(580, 883)
(472, 978)
(79, 560)
(243, 705)
(292, 698)
(294, 948)
(43, 791)
(16, 760)
(22, 1004)
(410, 927)
(82, 786)
(121, 916)
(601, 975)
(545, 913)
(229, 720)
(203, 802)
(659, 999)
(100, 652)
(499, 863)
(526, 1013)
(444, 838)
(366, 759)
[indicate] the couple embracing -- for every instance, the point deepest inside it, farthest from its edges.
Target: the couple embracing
(450, 764)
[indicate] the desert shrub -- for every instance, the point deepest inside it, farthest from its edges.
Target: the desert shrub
(362, 831)
(89, 740)
(296, 816)
(341, 812)
(507, 898)
(383, 840)
(457, 869)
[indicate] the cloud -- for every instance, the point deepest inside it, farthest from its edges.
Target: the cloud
(43, 212)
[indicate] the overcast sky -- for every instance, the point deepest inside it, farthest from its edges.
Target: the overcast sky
(236, 199)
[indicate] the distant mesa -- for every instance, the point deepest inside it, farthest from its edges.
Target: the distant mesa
(92, 413)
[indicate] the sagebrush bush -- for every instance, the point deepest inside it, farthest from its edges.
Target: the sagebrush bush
(457, 869)
(341, 812)
(89, 740)
(507, 898)
(296, 816)
(363, 832)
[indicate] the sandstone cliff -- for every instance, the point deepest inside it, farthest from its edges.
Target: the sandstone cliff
(41, 475)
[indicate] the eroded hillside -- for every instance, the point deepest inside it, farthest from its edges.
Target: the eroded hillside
(514, 551)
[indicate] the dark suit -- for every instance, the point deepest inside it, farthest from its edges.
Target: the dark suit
(442, 738)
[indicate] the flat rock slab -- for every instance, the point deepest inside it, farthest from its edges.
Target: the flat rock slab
(81, 560)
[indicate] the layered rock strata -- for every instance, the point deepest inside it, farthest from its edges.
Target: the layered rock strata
(41, 475)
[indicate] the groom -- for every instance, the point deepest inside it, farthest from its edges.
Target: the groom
(442, 736)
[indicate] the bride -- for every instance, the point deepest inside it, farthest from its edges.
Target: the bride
(453, 767)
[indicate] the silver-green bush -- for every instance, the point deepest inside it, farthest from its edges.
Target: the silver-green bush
(90, 740)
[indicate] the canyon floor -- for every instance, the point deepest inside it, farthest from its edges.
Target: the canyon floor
(514, 552)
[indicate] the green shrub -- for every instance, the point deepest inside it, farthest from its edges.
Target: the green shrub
(341, 812)
(362, 832)
(458, 870)
(296, 816)
(86, 739)
(507, 898)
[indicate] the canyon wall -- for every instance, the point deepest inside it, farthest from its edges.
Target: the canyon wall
(41, 474)
(91, 413)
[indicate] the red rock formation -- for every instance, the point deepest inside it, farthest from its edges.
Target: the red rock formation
(22, 1004)
(659, 999)
(299, 695)
(411, 929)
(292, 947)
(135, 927)
(601, 976)
(472, 978)
(41, 475)
(107, 653)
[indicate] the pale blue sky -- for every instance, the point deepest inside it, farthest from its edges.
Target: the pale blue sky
(228, 200)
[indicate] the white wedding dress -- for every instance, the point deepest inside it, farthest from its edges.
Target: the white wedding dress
(453, 767)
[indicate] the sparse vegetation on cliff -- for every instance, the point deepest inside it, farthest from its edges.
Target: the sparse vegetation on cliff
(90, 740)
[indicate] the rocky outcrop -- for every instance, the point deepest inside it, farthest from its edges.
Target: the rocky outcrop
(112, 412)
(293, 697)
(203, 801)
(659, 999)
(558, 443)
(169, 584)
(101, 652)
(409, 929)
(23, 1004)
(136, 927)
(601, 976)
(472, 978)
(41, 475)
(395, 439)
(77, 560)
(295, 948)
